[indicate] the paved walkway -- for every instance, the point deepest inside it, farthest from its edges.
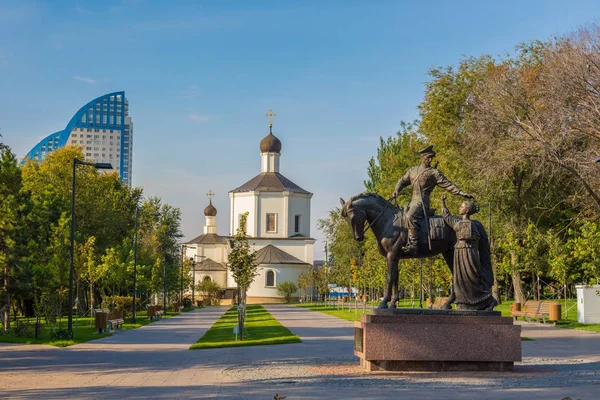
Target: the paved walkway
(153, 362)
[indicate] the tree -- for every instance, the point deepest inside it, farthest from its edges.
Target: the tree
(321, 280)
(243, 267)
(306, 280)
(211, 291)
(286, 289)
(10, 206)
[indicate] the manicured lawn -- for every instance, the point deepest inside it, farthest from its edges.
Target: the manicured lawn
(347, 314)
(83, 331)
(260, 329)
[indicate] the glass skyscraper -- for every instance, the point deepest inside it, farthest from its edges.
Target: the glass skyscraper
(104, 131)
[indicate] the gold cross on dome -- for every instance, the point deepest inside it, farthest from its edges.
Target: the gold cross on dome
(270, 115)
(210, 194)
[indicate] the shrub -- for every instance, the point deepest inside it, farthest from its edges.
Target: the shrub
(58, 333)
(187, 302)
(286, 289)
(211, 290)
(121, 303)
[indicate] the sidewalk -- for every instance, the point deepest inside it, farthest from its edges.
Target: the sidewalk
(153, 362)
(126, 364)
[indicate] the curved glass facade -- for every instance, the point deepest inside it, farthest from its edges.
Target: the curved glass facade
(103, 130)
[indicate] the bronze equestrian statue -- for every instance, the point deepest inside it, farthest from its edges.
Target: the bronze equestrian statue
(393, 227)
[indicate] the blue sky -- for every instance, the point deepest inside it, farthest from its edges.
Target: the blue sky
(200, 75)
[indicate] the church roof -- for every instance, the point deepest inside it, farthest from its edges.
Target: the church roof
(211, 265)
(210, 210)
(208, 238)
(273, 255)
(269, 182)
(270, 144)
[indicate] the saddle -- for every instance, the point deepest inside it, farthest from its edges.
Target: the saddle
(436, 226)
(436, 229)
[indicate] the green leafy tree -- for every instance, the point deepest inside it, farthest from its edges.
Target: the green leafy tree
(242, 260)
(243, 267)
(211, 291)
(286, 289)
(10, 207)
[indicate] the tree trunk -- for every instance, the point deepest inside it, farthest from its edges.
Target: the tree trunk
(496, 290)
(91, 296)
(516, 278)
(6, 309)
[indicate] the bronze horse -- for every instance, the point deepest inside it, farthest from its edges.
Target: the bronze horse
(389, 227)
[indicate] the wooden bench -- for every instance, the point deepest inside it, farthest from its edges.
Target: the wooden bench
(115, 320)
(533, 309)
(439, 302)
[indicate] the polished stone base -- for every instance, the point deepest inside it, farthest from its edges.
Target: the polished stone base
(417, 341)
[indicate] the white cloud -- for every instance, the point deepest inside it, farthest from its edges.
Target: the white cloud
(198, 118)
(84, 79)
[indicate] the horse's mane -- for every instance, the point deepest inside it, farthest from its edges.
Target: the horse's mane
(368, 194)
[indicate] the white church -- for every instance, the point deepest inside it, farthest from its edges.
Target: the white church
(278, 230)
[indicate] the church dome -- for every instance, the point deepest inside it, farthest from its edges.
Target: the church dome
(270, 144)
(210, 210)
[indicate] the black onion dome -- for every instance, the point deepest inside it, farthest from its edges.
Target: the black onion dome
(270, 144)
(210, 210)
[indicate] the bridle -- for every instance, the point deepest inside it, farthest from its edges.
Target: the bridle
(370, 225)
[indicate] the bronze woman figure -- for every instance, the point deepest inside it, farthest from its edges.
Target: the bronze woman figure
(472, 275)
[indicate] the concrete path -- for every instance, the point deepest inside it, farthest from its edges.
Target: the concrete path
(153, 362)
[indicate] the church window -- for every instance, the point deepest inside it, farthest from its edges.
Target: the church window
(270, 278)
(271, 222)
(297, 223)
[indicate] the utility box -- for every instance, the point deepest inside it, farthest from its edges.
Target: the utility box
(588, 304)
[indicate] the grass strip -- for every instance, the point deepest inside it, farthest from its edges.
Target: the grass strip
(260, 329)
(345, 313)
(83, 331)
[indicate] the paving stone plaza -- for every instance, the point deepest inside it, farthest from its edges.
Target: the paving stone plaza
(154, 362)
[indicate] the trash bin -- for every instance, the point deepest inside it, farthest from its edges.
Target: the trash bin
(100, 320)
(555, 312)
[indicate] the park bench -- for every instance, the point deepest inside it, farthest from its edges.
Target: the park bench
(534, 309)
(155, 311)
(116, 320)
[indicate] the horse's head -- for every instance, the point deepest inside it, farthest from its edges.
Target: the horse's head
(356, 217)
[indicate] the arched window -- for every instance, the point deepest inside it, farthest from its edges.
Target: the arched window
(206, 279)
(270, 278)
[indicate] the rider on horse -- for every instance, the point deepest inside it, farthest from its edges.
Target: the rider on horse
(423, 178)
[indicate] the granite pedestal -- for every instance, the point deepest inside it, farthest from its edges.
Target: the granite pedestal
(436, 340)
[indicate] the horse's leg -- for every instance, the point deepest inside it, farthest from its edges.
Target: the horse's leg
(395, 294)
(449, 257)
(392, 274)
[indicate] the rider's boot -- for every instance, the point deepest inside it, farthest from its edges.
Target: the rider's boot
(411, 247)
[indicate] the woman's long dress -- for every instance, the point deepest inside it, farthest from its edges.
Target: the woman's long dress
(473, 276)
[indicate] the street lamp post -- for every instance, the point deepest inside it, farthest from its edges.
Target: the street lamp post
(76, 162)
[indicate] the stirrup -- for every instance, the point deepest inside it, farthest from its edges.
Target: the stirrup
(410, 249)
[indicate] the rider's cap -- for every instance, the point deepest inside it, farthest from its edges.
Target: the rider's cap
(427, 151)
